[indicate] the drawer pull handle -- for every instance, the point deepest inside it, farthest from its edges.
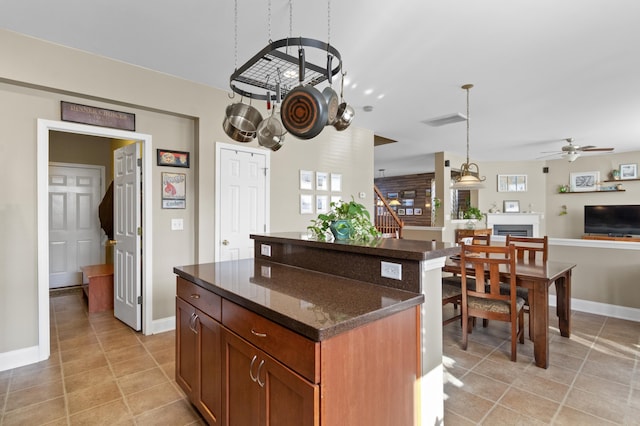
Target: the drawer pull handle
(195, 296)
(255, 333)
(261, 383)
(254, 379)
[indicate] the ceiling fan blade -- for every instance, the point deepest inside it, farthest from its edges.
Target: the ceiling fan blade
(594, 149)
(550, 152)
(548, 155)
(584, 148)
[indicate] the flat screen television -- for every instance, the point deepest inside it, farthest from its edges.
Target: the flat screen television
(619, 221)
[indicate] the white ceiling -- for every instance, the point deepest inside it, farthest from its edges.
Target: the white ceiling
(543, 70)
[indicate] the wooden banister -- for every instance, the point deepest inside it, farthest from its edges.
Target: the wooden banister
(386, 219)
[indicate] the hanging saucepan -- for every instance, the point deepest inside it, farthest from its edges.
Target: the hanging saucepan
(304, 109)
(330, 96)
(270, 132)
(241, 122)
(345, 111)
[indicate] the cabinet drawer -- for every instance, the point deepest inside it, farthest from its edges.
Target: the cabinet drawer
(208, 302)
(293, 350)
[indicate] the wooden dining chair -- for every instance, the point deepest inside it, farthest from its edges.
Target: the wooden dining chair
(530, 249)
(451, 294)
(482, 298)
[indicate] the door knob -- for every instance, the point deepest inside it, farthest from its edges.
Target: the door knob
(225, 242)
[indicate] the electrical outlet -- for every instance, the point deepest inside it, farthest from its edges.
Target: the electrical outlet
(391, 270)
(265, 250)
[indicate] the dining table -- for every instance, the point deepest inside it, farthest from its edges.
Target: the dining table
(537, 276)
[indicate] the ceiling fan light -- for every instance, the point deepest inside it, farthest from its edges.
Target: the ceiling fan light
(571, 156)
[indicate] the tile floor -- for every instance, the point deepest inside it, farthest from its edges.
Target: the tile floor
(593, 379)
(101, 372)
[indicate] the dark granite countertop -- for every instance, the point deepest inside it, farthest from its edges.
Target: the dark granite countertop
(384, 247)
(315, 305)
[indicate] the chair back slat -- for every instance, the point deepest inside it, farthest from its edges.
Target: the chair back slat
(529, 248)
(485, 262)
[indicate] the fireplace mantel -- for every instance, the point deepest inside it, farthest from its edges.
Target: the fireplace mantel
(516, 219)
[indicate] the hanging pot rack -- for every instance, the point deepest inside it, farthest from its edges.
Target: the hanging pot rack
(274, 65)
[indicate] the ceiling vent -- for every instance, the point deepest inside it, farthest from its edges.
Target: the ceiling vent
(445, 119)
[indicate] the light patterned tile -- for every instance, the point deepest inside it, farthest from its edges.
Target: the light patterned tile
(93, 396)
(141, 380)
(530, 405)
(177, 413)
(37, 414)
(152, 398)
(111, 413)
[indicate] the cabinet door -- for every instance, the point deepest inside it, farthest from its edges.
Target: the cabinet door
(289, 399)
(208, 391)
(261, 391)
(186, 346)
(241, 403)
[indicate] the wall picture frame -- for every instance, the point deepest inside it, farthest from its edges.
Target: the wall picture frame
(336, 182)
(628, 171)
(511, 206)
(584, 181)
(306, 204)
(322, 204)
(322, 181)
(306, 179)
(174, 190)
(512, 183)
(171, 158)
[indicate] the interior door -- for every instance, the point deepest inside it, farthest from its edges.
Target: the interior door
(74, 231)
(127, 202)
(242, 201)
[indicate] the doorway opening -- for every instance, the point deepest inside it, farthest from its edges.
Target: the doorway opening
(44, 129)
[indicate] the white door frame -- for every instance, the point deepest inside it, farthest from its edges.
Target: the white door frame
(218, 203)
(44, 127)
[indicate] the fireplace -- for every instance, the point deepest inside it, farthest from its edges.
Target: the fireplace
(513, 230)
(516, 224)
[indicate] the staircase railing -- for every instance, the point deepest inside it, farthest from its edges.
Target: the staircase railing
(386, 219)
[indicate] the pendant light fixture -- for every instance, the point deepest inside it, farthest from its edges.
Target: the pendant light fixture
(469, 172)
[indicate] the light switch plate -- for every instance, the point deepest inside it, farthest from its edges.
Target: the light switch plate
(177, 224)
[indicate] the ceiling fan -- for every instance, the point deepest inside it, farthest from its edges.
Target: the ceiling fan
(571, 152)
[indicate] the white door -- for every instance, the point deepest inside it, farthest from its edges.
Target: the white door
(75, 192)
(127, 304)
(243, 200)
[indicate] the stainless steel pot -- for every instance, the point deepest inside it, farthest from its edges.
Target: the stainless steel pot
(304, 109)
(345, 111)
(330, 96)
(270, 132)
(241, 122)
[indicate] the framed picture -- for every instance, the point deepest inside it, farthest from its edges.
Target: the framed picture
(584, 181)
(511, 206)
(417, 212)
(306, 204)
(628, 171)
(172, 158)
(306, 179)
(322, 181)
(512, 183)
(409, 194)
(336, 198)
(407, 203)
(174, 190)
(336, 182)
(400, 212)
(322, 204)
(409, 212)
(392, 195)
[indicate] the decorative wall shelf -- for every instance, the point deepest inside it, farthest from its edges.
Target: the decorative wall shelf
(622, 180)
(587, 192)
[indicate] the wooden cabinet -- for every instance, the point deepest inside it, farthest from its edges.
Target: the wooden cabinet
(240, 368)
(198, 350)
(262, 391)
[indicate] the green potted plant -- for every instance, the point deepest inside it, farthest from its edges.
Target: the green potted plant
(346, 221)
(473, 213)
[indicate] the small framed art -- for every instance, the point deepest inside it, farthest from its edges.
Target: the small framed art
(172, 158)
(511, 206)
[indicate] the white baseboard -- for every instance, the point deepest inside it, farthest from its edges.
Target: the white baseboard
(614, 311)
(20, 357)
(163, 324)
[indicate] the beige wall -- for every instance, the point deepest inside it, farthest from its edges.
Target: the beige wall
(35, 76)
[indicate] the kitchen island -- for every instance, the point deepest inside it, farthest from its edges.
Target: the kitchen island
(312, 332)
